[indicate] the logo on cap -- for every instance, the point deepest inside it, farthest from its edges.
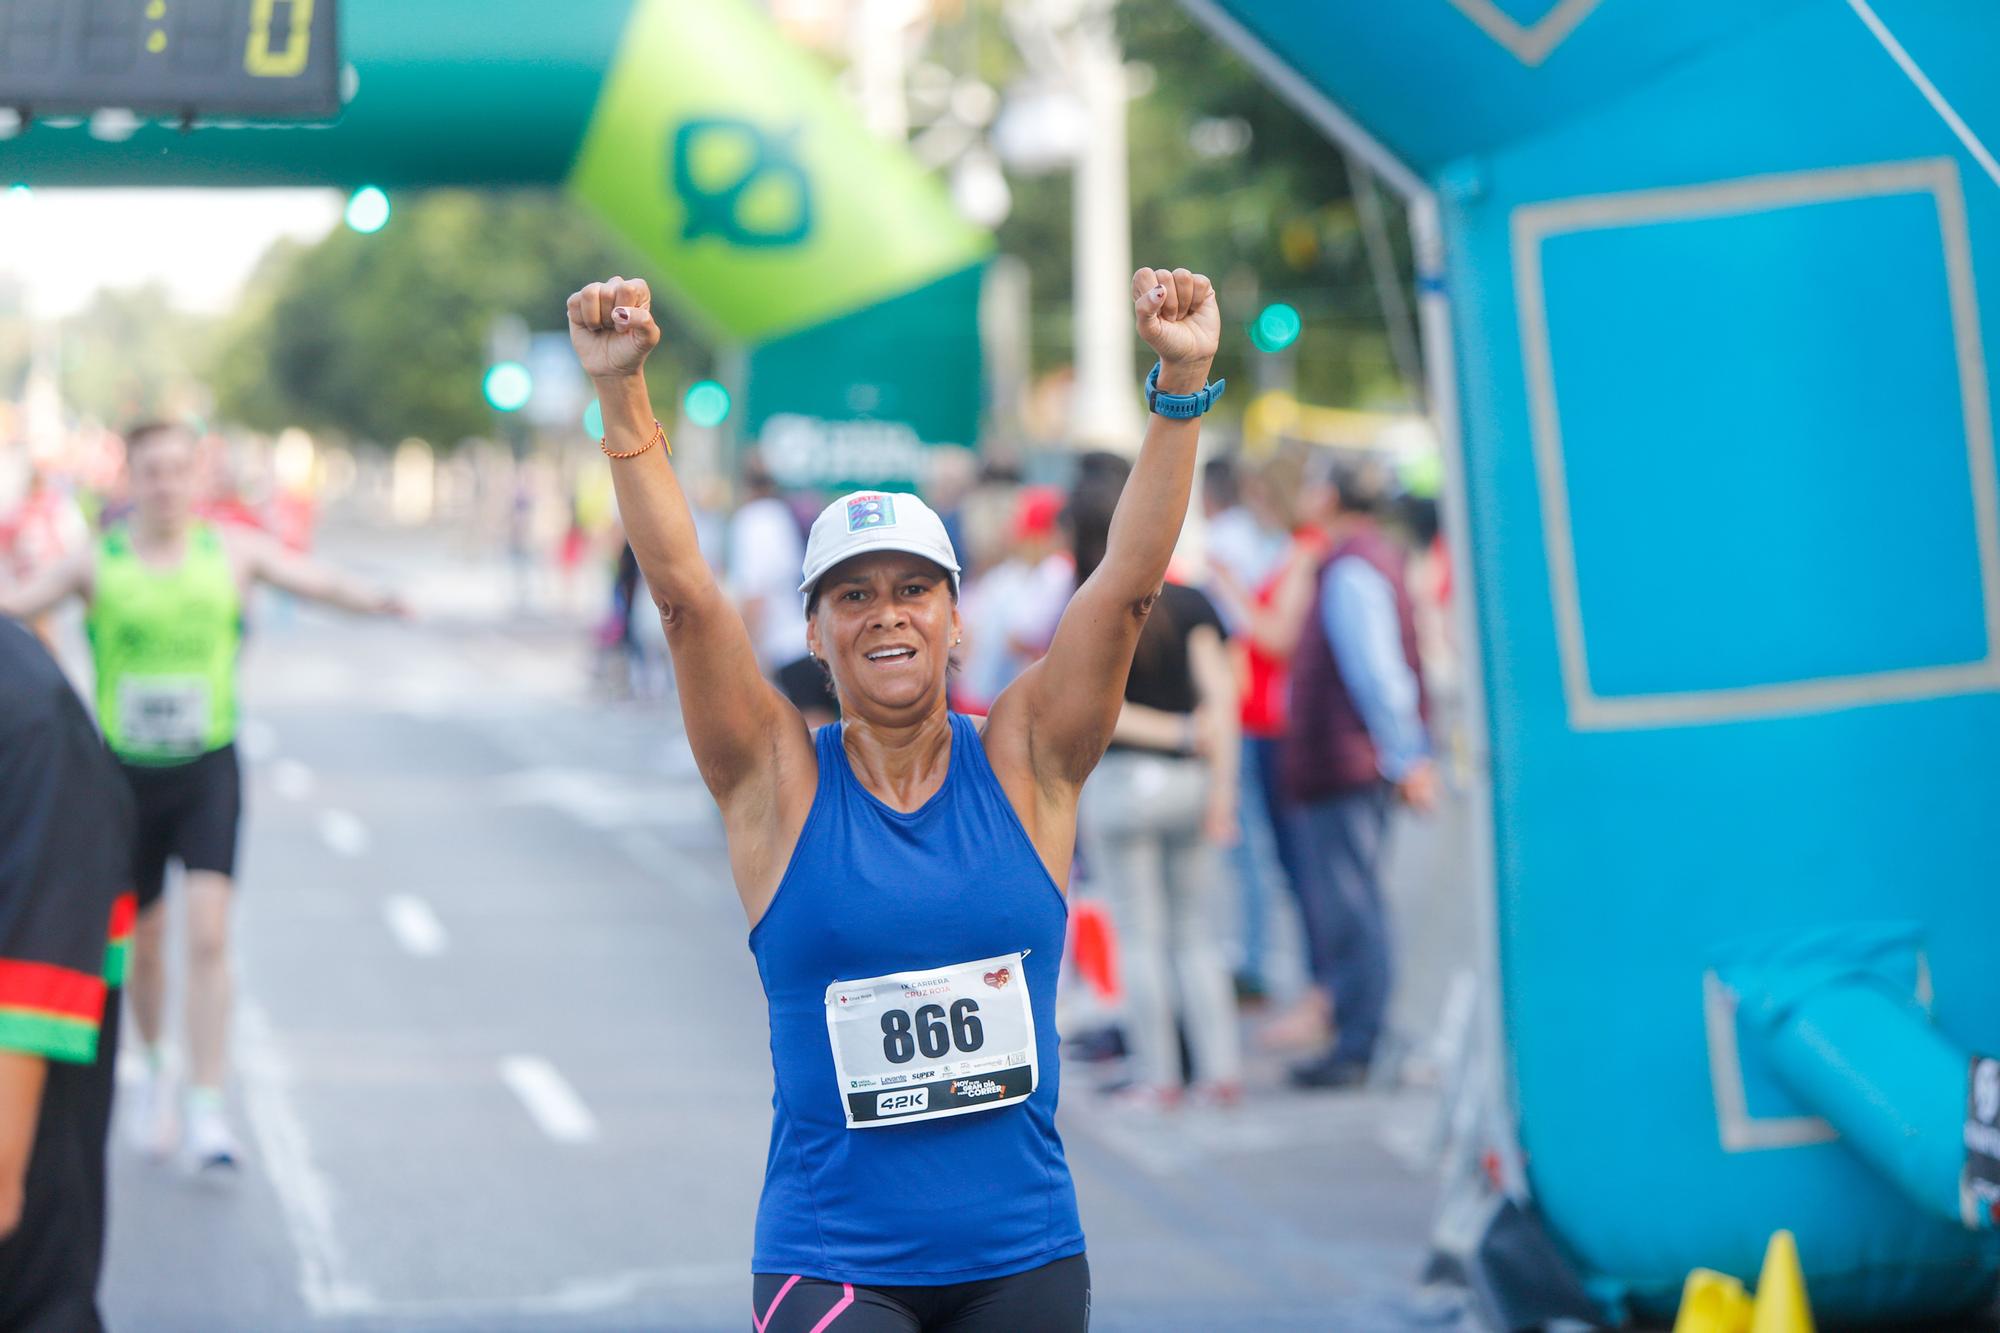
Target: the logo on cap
(870, 511)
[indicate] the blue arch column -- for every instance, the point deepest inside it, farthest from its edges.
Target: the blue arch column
(1721, 284)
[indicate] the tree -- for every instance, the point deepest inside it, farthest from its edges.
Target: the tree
(126, 356)
(384, 336)
(1270, 217)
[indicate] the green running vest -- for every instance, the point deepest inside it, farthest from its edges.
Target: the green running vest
(164, 643)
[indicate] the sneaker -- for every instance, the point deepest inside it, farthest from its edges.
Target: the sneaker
(151, 1124)
(1223, 1094)
(1144, 1098)
(1251, 996)
(210, 1143)
(1330, 1073)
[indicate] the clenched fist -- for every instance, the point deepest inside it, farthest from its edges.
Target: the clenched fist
(1178, 318)
(611, 327)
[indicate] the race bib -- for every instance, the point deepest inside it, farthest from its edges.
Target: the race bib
(925, 1045)
(163, 713)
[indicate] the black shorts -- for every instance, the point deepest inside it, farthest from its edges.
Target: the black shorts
(189, 812)
(806, 686)
(1054, 1298)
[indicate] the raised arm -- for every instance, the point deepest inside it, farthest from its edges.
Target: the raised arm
(738, 725)
(49, 587)
(272, 562)
(1067, 704)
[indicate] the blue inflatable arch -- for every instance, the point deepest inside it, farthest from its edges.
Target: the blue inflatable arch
(1707, 286)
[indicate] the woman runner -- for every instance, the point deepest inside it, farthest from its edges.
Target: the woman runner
(903, 870)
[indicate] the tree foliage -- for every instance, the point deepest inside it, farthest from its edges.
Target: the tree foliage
(124, 356)
(1273, 221)
(384, 336)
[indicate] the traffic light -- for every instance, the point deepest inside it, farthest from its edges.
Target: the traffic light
(1276, 327)
(508, 386)
(593, 420)
(368, 210)
(706, 403)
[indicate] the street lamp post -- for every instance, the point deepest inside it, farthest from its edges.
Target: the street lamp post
(1105, 408)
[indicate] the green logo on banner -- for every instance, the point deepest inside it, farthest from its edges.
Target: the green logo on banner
(754, 190)
(740, 184)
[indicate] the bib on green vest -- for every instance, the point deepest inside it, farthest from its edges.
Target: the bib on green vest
(164, 643)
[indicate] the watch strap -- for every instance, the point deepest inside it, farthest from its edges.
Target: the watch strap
(1180, 406)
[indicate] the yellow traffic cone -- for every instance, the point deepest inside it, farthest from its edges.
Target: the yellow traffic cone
(1713, 1302)
(1781, 1290)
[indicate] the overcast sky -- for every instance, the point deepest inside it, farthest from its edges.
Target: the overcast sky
(66, 244)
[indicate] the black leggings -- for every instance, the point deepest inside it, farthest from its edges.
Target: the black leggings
(1054, 1298)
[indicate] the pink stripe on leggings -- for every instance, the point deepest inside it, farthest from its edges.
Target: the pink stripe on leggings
(846, 1299)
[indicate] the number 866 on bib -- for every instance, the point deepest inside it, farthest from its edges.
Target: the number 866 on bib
(926, 1044)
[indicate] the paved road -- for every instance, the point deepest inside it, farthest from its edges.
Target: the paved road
(502, 1047)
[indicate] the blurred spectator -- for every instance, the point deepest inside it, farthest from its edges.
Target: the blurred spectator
(1247, 544)
(1431, 589)
(46, 526)
(1010, 611)
(1161, 801)
(954, 473)
(1100, 468)
(1244, 540)
(222, 499)
(65, 829)
(765, 551)
(1356, 736)
(986, 515)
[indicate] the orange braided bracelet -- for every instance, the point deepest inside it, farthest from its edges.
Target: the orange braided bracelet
(659, 437)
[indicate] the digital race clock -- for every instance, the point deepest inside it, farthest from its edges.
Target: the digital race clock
(241, 59)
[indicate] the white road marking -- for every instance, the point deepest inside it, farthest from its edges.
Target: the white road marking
(549, 1098)
(415, 926)
(343, 832)
(303, 1193)
(291, 779)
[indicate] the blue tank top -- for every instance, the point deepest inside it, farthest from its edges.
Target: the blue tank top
(873, 890)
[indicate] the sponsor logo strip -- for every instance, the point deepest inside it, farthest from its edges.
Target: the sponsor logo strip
(946, 1095)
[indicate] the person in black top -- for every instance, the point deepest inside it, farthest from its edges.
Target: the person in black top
(1153, 814)
(66, 829)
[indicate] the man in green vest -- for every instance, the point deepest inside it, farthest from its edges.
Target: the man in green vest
(164, 595)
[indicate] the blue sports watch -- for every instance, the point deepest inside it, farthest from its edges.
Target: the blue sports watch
(1180, 406)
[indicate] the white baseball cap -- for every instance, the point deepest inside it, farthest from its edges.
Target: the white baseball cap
(865, 521)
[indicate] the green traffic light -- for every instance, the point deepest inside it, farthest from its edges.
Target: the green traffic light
(706, 403)
(508, 386)
(593, 419)
(368, 210)
(1276, 328)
